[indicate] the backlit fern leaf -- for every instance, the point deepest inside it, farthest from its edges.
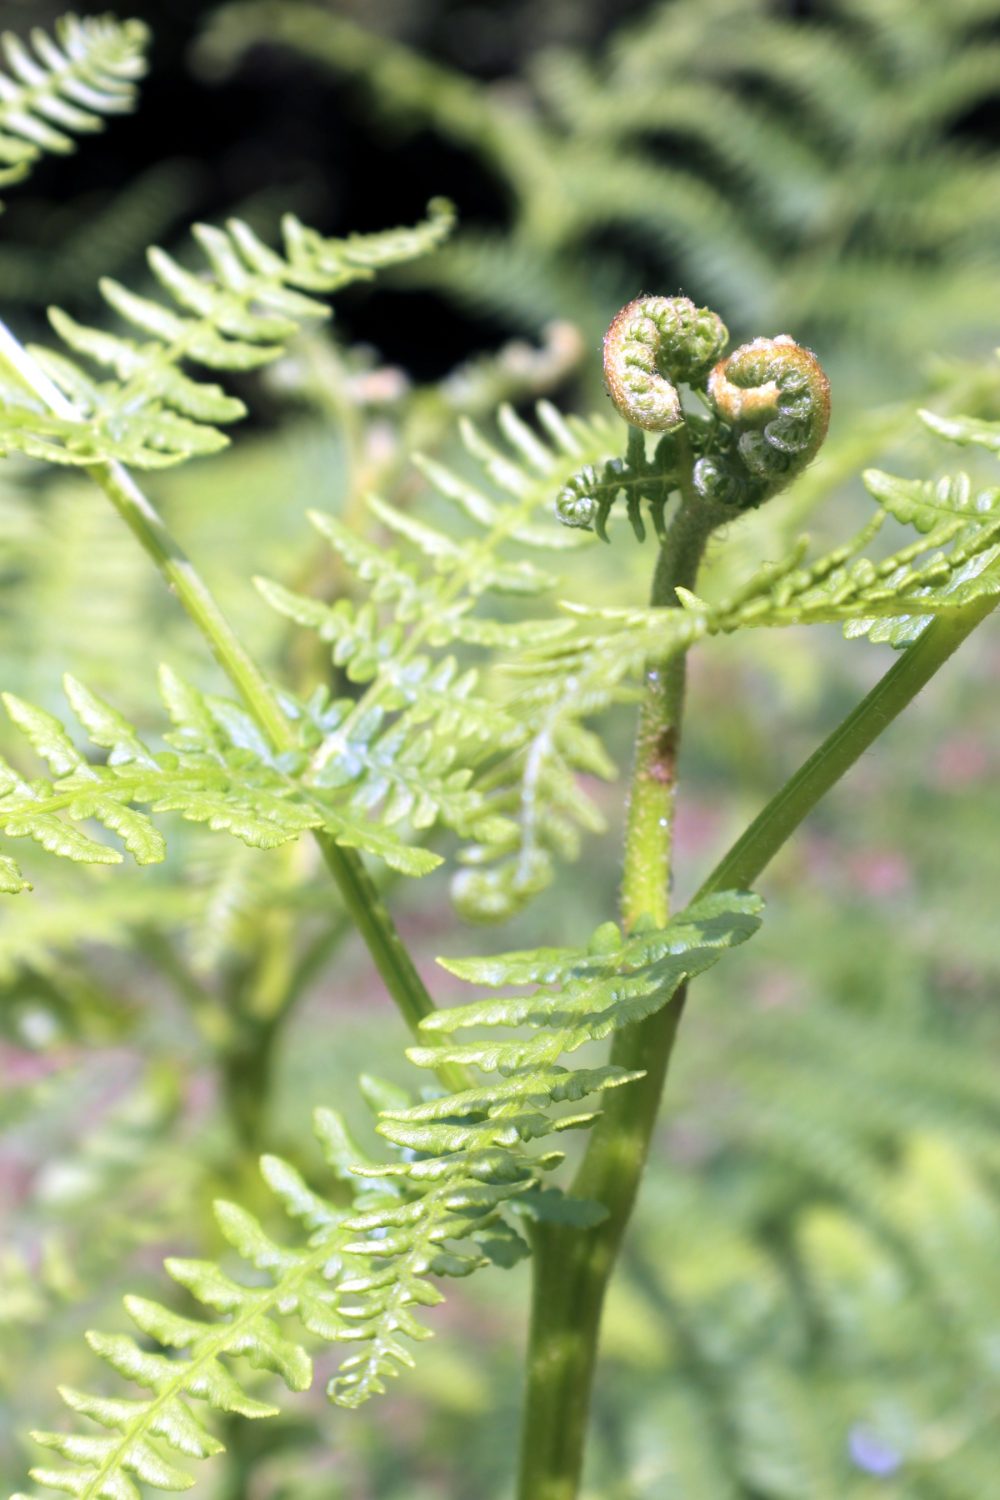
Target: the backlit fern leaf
(955, 559)
(426, 739)
(55, 88)
(236, 315)
(221, 773)
(436, 1210)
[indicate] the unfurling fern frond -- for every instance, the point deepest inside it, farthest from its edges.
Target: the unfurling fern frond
(236, 315)
(437, 1209)
(54, 89)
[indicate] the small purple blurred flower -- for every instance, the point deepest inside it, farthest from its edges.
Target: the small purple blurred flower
(871, 1453)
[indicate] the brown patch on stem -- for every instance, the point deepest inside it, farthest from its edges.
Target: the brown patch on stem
(663, 765)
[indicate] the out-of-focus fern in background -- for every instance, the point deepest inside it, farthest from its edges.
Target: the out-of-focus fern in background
(809, 1307)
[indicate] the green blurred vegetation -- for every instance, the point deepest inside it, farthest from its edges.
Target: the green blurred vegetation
(810, 1305)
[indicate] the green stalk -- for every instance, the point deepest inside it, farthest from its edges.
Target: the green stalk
(774, 825)
(571, 1267)
(357, 889)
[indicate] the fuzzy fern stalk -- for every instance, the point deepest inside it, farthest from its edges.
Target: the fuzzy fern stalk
(652, 346)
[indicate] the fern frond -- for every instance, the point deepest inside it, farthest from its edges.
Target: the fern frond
(56, 88)
(436, 1210)
(142, 1436)
(424, 742)
(956, 559)
(221, 773)
(426, 739)
(236, 315)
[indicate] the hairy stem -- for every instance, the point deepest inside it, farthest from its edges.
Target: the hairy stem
(571, 1267)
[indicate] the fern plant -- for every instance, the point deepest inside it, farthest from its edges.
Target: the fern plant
(460, 703)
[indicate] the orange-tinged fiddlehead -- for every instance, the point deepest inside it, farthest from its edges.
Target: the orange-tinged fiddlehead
(768, 407)
(774, 397)
(652, 343)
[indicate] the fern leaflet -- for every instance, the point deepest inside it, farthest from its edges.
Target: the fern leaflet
(426, 738)
(425, 742)
(220, 772)
(57, 88)
(955, 559)
(236, 316)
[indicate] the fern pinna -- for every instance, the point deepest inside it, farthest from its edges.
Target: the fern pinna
(57, 87)
(236, 318)
(437, 1209)
(419, 745)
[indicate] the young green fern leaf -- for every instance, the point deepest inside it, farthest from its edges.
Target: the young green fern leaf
(219, 771)
(236, 316)
(955, 559)
(437, 1209)
(54, 89)
(425, 742)
(427, 738)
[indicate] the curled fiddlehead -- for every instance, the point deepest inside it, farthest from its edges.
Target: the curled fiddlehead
(768, 403)
(652, 343)
(774, 398)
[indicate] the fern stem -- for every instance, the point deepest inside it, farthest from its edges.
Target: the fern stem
(571, 1267)
(143, 520)
(358, 892)
(775, 823)
(653, 789)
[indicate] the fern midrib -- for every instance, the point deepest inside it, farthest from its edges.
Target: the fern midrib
(208, 1349)
(60, 802)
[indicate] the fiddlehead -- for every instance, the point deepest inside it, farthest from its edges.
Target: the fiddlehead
(769, 404)
(652, 343)
(774, 398)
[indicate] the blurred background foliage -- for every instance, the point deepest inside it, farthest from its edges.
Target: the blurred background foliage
(809, 1306)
